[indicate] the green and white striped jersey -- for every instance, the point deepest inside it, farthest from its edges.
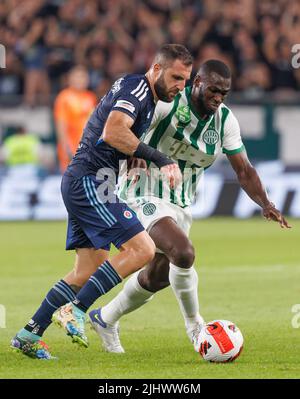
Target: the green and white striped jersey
(177, 131)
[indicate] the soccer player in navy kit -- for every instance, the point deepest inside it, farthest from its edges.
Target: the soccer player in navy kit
(110, 136)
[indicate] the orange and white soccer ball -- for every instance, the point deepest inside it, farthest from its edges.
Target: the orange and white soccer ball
(219, 341)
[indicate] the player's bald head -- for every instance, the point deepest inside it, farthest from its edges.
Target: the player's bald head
(169, 53)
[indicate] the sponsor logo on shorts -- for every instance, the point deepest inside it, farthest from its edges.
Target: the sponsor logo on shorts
(210, 137)
(127, 214)
(149, 209)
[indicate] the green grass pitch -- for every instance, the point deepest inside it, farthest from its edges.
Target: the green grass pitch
(249, 273)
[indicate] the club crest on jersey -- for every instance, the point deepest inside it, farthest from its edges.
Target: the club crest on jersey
(116, 86)
(127, 214)
(149, 209)
(183, 114)
(210, 137)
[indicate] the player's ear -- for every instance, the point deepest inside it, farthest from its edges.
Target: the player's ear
(157, 68)
(197, 81)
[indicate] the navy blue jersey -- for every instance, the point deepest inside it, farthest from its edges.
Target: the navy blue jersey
(131, 94)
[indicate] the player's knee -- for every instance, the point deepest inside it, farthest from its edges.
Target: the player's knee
(141, 256)
(146, 252)
(183, 256)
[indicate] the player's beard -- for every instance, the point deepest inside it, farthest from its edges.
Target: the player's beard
(161, 89)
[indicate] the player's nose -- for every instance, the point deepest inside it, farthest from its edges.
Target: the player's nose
(218, 98)
(180, 85)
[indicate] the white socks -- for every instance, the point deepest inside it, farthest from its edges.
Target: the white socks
(130, 298)
(184, 283)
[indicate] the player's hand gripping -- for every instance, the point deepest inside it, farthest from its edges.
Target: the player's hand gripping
(271, 213)
(135, 167)
(172, 174)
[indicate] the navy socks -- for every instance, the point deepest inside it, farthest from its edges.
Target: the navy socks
(102, 281)
(60, 294)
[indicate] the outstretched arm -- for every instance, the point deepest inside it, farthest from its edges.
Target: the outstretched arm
(252, 185)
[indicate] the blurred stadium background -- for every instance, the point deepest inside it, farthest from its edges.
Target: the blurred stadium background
(44, 39)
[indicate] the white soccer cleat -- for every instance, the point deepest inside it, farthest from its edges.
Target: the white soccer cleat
(193, 332)
(109, 334)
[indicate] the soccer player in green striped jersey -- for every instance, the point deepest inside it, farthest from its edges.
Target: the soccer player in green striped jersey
(192, 130)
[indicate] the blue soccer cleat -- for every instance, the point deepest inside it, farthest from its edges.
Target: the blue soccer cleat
(72, 320)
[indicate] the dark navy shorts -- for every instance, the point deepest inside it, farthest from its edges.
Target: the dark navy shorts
(93, 223)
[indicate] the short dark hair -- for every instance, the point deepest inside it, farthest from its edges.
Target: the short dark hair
(172, 52)
(216, 66)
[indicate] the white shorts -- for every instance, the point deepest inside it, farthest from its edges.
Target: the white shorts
(155, 209)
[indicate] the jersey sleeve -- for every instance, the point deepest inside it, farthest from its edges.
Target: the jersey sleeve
(130, 98)
(232, 140)
(162, 109)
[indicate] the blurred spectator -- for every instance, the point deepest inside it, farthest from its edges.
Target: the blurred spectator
(103, 87)
(96, 67)
(31, 46)
(72, 108)
(21, 148)
(11, 78)
(283, 74)
(255, 80)
(45, 38)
